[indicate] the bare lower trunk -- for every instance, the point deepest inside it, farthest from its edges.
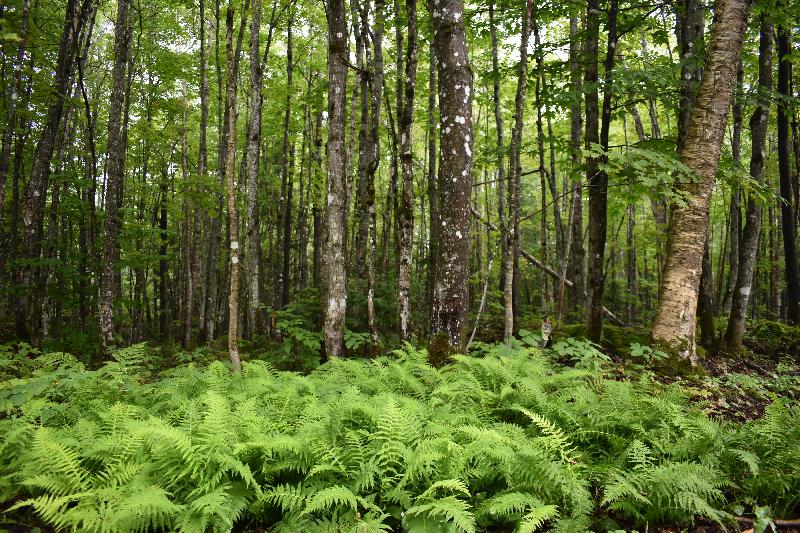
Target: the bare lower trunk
(748, 248)
(576, 257)
(334, 270)
(515, 169)
(674, 324)
(596, 177)
(233, 219)
(455, 178)
(433, 189)
(407, 159)
(114, 180)
(35, 192)
(791, 263)
(253, 161)
(501, 169)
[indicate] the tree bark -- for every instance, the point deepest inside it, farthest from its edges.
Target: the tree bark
(11, 117)
(674, 324)
(576, 257)
(515, 168)
(233, 219)
(595, 175)
(35, 192)
(791, 265)
(406, 122)
(253, 161)
(115, 176)
(287, 169)
(501, 165)
(735, 212)
(455, 177)
(433, 189)
(334, 270)
(759, 124)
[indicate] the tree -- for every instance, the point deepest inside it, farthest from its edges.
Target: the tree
(233, 219)
(748, 248)
(109, 281)
(674, 324)
(785, 175)
(76, 15)
(334, 268)
(455, 175)
(515, 167)
(406, 121)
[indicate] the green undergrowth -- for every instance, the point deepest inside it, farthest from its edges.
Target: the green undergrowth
(508, 439)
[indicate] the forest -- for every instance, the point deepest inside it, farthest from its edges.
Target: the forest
(454, 266)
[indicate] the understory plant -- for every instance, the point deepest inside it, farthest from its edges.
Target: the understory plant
(510, 440)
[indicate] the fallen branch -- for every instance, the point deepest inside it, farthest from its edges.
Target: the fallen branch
(534, 261)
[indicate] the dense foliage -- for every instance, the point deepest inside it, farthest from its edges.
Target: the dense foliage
(507, 437)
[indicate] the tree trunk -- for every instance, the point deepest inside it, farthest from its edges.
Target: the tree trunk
(455, 178)
(287, 169)
(334, 268)
(595, 175)
(11, 118)
(748, 249)
(576, 258)
(433, 189)
(317, 211)
(501, 166)
(115, 177)
(515, 169)
(163, 273)
(233, 219)
(406, 122)
(791, 264)
(190, 240)
(674, 324)
(202, 161)
(705, 300)
(735, 213)
(253, 160)
(690, 30)
(632, 280)
(36, 190)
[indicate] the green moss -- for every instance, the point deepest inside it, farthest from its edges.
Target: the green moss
(440, 351)
(774, 338)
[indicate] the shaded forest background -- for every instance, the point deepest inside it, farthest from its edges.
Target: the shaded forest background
(199, 171)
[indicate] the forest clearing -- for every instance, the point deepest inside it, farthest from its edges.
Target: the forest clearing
(455, 266)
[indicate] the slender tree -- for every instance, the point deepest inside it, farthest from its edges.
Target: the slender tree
(406, 122)
(515, 167)
(790, 259)
(109, 287)
(334, 269)
(35, 192)
(674, 324)
(233, 219)
(759, 123)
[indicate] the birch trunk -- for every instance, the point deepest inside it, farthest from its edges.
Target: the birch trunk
(674, 325)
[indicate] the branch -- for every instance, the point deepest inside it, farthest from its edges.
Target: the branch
(538, 264)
